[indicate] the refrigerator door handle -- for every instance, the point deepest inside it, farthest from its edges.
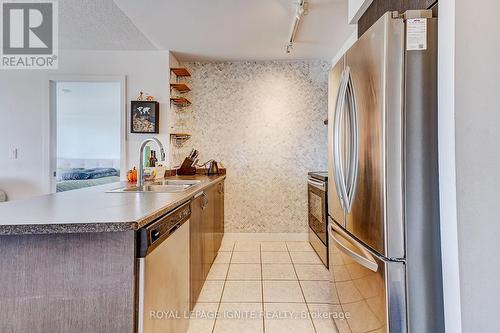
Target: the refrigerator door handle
(366, 260)
(337, 160)
(353, 154)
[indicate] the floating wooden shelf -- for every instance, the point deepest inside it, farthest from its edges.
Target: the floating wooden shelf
(180, 101)
(180, 71)
(180, 87)
(178, 139)
(180, 135)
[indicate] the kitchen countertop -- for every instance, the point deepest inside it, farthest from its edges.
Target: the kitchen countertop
(92, 209)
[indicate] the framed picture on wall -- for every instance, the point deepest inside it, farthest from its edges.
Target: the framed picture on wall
(145, 117)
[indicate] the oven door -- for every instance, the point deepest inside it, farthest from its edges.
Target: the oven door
(317, 209)
(367, 291)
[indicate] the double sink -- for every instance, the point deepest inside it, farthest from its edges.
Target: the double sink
(164, 186)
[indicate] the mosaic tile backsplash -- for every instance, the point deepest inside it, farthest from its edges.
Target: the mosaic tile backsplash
(264, 122)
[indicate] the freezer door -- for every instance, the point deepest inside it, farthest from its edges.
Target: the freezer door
(368, 291)
(335, 207)
(375, 63)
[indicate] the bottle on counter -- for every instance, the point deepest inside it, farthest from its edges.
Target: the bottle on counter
(152, 159)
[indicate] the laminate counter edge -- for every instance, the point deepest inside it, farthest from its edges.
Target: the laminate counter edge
(93, 210)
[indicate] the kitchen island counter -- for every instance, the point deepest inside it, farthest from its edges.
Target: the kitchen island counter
(70, 261)
(93, 209)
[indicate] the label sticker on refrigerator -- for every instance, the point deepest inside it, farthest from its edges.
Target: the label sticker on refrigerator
(416, 34)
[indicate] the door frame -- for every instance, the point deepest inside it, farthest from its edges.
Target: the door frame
(49, 134)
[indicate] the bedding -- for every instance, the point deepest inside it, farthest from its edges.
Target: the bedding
(85, 174)
(67, 185)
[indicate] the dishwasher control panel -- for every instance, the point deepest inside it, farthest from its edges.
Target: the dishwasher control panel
(149, 237)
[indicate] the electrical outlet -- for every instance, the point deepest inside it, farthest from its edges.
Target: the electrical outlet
(13, 153)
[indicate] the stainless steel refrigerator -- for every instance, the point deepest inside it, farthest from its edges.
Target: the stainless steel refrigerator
(385, 257)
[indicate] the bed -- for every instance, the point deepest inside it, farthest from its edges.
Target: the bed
(73, 174)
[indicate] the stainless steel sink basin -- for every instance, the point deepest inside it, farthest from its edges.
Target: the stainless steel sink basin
(164, 186)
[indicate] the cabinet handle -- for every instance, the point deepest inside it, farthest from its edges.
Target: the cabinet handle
(204, 203)
(221, 188)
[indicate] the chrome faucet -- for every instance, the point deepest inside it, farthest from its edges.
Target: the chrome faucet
(140, 172)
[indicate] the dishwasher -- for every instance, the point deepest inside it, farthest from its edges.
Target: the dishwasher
(163, 273)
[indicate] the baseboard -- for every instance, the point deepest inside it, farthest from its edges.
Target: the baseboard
(266, 236)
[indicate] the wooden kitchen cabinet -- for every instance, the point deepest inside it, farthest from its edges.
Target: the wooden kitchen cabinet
(219, 216)
(207, 230)
(196, 249)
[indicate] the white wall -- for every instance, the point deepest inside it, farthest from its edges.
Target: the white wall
(88, 120)
(477, 127)
(24, 109)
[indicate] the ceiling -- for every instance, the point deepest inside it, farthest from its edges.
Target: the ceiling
(98, 25)
(205, 29)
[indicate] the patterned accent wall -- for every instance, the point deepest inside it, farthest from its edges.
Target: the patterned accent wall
(264, 121)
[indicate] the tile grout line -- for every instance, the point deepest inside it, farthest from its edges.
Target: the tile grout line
(301, 290)
(223, 287)
(262, 289)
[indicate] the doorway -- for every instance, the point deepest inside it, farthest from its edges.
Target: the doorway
(87, 132)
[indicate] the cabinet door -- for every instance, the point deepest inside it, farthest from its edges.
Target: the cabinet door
(196, 249)
(219, 216)
(208, 230)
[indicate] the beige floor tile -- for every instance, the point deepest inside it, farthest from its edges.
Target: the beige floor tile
(244, 272)
(246, 257)
(218, 272)
(226, 246)
(282, 292)
(287, 318)
(278, 272)
(316, 291)
(239, 317)
(305, 257)
(333, 293)
(247, 246)
(211, 291)
(276, 258)
(273, 246)
(312, 272)
(223, 258)
(202, 318)
(299, 246)
(242, 291)
(322, 317)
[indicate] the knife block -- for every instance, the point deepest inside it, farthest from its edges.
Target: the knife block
(186, 168)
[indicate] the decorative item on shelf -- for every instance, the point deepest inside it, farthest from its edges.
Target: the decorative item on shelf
(141, 96)
(179, 139)
(144, 117)
(150, 98)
